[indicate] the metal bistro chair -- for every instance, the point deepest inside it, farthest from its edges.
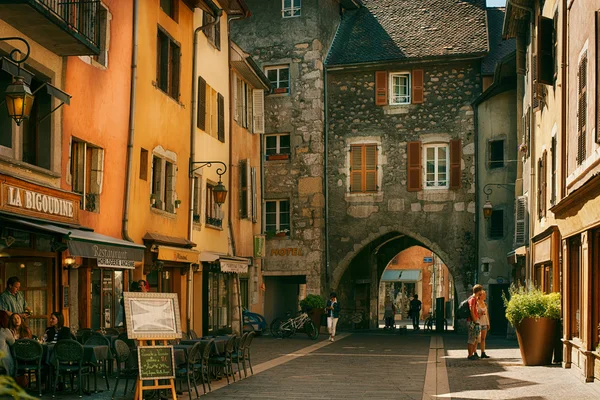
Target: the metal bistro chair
(28, 360)
(205, 367)
(68, 355)
(98, 340)
(122, 354)
(111, 331)
(192, 334)
(191, 368)
(85, 335)
(249, 340)
(239, 355)
(225, 361)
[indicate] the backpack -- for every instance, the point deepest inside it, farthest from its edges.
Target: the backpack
(463, 311)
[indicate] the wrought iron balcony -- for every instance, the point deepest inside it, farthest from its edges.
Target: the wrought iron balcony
(67, 28)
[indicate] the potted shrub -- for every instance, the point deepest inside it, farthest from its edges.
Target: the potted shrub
(535, 316)
(282, 233)
(314, 306)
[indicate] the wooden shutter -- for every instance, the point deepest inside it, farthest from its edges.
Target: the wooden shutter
(544, 183)
(221, 117)
(236, 111)
(540, 184)
(370, 175)
(582, 110)
(415, 175)
(417, 86)
(455, 163)
(356, 169)
(259, 110)
(254, 194)
(244, 171)
(218, 34)
(381, 88)
(534, 84)
(201, 121)
(521, 221)
(545, 50)
(175, 71)
(597, 76)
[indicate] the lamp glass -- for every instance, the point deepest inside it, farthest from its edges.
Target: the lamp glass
(487, 209)
(19, 100)
(220, 193)
(69, 260)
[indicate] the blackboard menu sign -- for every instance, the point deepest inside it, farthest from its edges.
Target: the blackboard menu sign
(156, 362)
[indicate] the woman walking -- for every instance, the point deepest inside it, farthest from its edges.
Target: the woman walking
(333, 313)
(484, 321)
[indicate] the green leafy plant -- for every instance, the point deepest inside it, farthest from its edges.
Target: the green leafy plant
(9, 388)
(312, 301)
(530, 303)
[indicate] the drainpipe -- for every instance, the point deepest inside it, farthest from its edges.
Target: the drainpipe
(325, 183)
(478, 211)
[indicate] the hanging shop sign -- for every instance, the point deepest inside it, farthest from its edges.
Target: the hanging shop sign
(233, 266)
(24, 198)
(259, 246)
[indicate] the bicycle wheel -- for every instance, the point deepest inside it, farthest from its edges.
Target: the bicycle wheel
(429, 324)
(276, 327)
(311, 330)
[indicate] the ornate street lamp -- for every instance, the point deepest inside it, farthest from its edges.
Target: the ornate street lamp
(487, 190)
(219, 191)
(19, 99)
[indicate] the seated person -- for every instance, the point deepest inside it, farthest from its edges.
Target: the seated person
(57, 329)
(19, 328)
(6, 340)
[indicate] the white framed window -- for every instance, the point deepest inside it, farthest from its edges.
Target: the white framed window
(291, 8)
(162, 196)
(400, 88)
(87, 170)
(437, 162)
(279, 76)
(277, 147)
(277, 215)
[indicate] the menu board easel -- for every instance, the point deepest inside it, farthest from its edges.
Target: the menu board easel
(153, 318)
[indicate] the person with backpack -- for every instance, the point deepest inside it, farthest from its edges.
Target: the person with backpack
(473, 322)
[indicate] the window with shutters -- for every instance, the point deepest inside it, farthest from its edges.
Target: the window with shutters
(545, 50)
(279, 76)
(277, 146)
(400, 88)
(496, 225)
(197, 199)
(162, 195)
(496, 154)
(213, 33)
(363, 168)
(245, 190)
(437, 161)
(542, 185)
(277, 215)
(582, 108)
(104, 18)
(168, 64)
(254, 194)
(214, 214)
(220, 117)
(211, 112)
(243, 103)
(521, 221)
(291, 8)
(87, 171)
(554, 181)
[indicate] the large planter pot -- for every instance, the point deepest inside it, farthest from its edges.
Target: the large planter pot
(315, 316)
(536, 340)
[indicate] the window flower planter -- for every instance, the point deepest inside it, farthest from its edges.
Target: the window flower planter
(281, 234)
(280, 90)
(272, 157)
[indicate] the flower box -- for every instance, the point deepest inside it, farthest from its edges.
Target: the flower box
(272, 157)
(280, 90)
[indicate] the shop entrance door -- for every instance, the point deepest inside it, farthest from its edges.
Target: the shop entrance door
(107, 292)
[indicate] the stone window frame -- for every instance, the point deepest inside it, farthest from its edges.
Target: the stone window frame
(278, 155)
(496, 164)
(163, 181)
(280, 230)
(436, 145)
(393, 75)
(292, 10)
(381, 161)
(86, 164)
(276, 84)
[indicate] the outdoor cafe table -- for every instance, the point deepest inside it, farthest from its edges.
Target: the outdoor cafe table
(91, 354)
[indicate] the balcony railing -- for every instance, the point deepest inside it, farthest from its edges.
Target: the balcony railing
(64, 27)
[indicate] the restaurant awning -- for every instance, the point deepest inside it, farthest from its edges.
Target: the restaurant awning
(401, 275)
(109, 252)
(237, 265)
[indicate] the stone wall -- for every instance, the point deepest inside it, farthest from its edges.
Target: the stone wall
(441, 219)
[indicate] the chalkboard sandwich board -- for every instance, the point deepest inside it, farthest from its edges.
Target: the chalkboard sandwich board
(156, 362)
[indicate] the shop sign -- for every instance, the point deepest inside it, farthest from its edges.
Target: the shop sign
(259, 246)
(235, 267)
(289, 251)
(115, 263)
(176, 254)
(34, 202)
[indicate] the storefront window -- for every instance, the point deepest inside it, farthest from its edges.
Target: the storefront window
(219, 300)
(36, 284)
(575, 277)
(107, 291)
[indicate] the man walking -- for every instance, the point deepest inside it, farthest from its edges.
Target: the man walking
(415, 311)
(473, 322)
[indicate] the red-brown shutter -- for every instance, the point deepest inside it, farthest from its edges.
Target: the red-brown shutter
(415, 174)
(370, 168)
(381, 88)
(545, 51)
(201, 120)
(418, 77)
(455, 161)
(221, 117)
(356, 170)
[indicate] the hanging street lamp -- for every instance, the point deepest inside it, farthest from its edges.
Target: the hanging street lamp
(19, 99)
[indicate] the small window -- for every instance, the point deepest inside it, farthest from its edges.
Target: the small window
(163, 184)
(436, 166)
(400, 88)
(168, 60)
(496, 154)
(103, 35)
(496, 224)
(291, 8)
(277, 213)
(279, 78)
(213, 211)
(87, 168)
(277, 147)
(213, 34)
(243, 103)
(144, 164)
(169, 8)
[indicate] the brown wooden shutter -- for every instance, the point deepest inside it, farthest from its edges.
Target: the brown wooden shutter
(415, 173)
(545, 50)
(534, 86)
(582, 110)
(539, 189)
(417, 86)
(201, 123)
(370, 169)
(221, 117)
(218, 34)
(175, 71)
(455, 161)
(597, 76)
(544, 182)
(381, 88)
(356, 169)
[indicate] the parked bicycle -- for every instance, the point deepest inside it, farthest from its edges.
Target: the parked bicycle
(286, 327)
(430, 322)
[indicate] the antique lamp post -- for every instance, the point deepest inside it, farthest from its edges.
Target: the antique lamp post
(219, 191)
